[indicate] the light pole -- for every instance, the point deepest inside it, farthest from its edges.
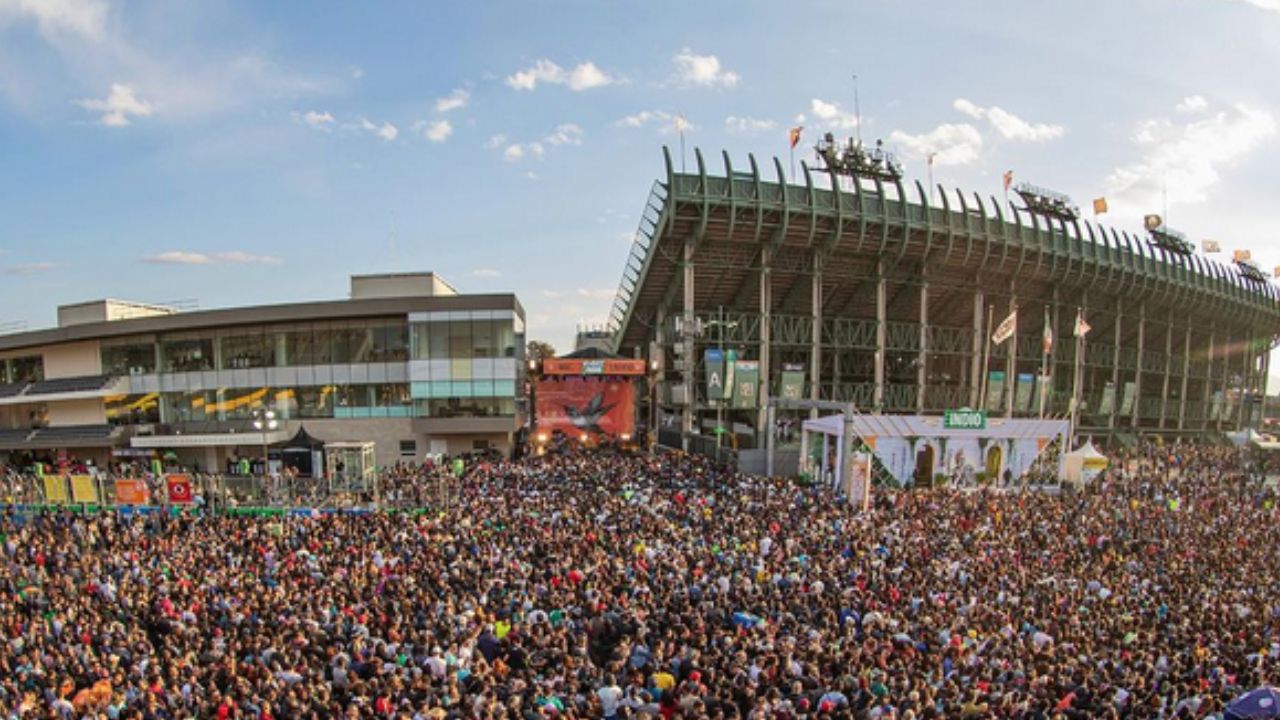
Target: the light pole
(264, 421)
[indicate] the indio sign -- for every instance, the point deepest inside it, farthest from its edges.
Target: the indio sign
(964, 419)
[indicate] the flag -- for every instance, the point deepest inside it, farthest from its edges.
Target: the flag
(795, 135)
(1210, 246)
(1082, 327)
(1008, 179)
(1278, 271)
(1006, 329)
(1241, 256)
(1099, 205)
(1152, 222)
(1047, 340)
(681, 123)
(930, 158)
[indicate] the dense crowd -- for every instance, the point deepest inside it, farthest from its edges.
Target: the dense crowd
(614, 586)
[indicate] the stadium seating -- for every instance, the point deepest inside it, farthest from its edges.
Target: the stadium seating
(12, 390)
(88, 383)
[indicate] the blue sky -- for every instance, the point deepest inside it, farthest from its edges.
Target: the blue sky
(249, 152)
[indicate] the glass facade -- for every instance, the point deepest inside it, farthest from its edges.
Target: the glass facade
(332, 370)
(22, 369)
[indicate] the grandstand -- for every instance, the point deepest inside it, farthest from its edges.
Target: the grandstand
(885, 295)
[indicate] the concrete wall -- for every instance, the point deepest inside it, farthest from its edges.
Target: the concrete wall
(72, 360)
(386, 435)
(364, 287)
(77, 412)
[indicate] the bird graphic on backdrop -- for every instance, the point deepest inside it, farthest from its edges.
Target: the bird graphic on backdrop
(588, 417)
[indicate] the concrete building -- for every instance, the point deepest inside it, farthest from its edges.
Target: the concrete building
(406, 363)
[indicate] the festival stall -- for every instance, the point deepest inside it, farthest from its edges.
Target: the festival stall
(1081, 466)
(960, 447)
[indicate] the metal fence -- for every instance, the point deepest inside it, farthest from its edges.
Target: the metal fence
(216, 491)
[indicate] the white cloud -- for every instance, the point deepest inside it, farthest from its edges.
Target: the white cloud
(704, 70)
(318, 120)
(531, 175)
(1187, 157)
(1194, 103)
(116, 108)
(1010, 126)
(644, 117)
(86, 18)
(516, 152)
(181, 257)
(437, 131)
(486, 273)
(954, 144)
(356, 72)
(597, 293)
(746, 125)
(453, 101)
(29, 269)
(1266, 4)
(495, 141)
(585, 76)
(566, 134)
(386, 130)
(831, 115)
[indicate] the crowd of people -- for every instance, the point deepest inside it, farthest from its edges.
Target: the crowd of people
(612, 585)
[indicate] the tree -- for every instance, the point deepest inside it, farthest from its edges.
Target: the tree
(538, 350)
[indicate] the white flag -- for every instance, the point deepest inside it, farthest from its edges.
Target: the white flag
(1006, 329)
(1082, 327)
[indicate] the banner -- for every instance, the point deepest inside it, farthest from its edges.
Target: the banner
(746, 383)
(995, 391)
(1108, 402)
(1006, 329)
(1025, 391)
(714, 361)
(1215, 412)
(792, 381)
(55, 489)
(730, 370)
(577, 405)
(83, 489)
(131, 492)
(570, 366)
(1126, 402)
(180, 491)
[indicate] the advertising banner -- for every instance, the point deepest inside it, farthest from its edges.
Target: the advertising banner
(83, 489)
(570, 366)
(180, 490)
(714, 368)
(746, 383)
(1108, 399)
(792, 382)
(995, 390)
(55, 489)
(1126, 402)
(131, 492)
(1026, 385)
(577, 405)
(730, 377)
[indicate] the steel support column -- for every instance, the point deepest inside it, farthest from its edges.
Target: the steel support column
(1207, 406)
(815, 350)
(1226, 371)
(975, 360)
(1137, 375)
(766, 342)
(1186, 370)
(1168, 367)
(922, 358)
(1246, 383)
(1115, 367)
(881, 336)
(690, 358)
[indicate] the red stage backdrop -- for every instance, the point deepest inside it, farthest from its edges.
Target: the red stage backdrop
(596, 406)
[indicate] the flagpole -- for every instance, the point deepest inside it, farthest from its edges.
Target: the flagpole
(793, 161)
(1075, 384)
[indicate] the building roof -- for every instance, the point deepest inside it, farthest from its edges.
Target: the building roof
(260, 315)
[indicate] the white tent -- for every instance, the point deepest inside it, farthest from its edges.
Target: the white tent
(1082, 465)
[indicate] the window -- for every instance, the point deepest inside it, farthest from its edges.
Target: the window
(408, 448)
(248, 349)
(22, 369)
(480, 445)
(133, 409)
(390, 344)
(129, 358)
(187, 354)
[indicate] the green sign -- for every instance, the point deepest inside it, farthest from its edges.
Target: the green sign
(715, 374)
(964, 419)
(746, 383)
(792, 381)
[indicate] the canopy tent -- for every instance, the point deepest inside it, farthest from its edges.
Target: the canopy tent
(911, 446)
(1258, 704)
(1244, 437)
(1082, 465)
(303, 453)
